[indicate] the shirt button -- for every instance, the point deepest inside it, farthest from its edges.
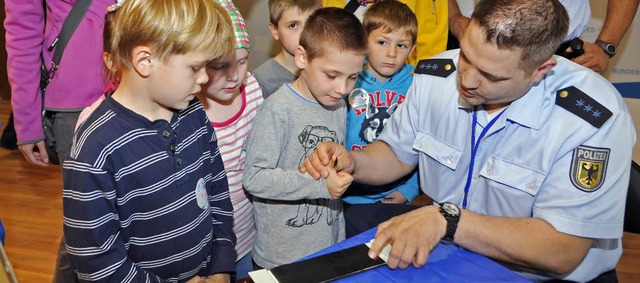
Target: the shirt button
(531, 185)
(179, 161)
(450, 160)
(475, 176)
(489, 171)
(172, 147)
(166, 133)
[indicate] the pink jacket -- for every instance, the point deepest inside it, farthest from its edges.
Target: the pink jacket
(81, 78)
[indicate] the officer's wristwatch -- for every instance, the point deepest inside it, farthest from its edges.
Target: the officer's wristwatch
(608, 48)
(451, 213)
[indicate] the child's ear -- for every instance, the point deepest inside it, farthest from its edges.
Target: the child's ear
(142, 61)
(413, 48)
(108, 60)
(301, 57)
(274, 32)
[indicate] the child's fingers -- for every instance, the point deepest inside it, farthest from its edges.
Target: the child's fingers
(345, 178)
(330, 169)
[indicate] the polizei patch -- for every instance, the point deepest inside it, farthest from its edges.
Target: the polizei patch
(588, 167)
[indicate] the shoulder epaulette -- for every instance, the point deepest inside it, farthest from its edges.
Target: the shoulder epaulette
(579, 103)
(435, 67)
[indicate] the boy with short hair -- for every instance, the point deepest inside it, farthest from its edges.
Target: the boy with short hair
(145, 191)
(286, 20)
(433, 26)
(294, 214)
(391, 33)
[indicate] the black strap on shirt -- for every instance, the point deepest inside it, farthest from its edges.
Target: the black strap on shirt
(352, 6)
(68, 28)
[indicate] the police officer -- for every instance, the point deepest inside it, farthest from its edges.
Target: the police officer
(596, 55)
(525, 154)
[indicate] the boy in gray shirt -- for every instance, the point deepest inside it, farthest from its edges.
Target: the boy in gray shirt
(296, 215)
(286, 21)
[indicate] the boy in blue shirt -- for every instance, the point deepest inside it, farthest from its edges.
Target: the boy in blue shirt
(391, 32)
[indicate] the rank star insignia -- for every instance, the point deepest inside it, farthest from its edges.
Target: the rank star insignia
(436, 67)
(582, 105)
(588, 167)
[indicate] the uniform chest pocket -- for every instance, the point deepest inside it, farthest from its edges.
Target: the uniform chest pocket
(438, 150)
(512, 175)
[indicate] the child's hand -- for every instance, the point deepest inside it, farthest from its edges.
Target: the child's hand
(394, 197)
(218, 278)
(337, 182)
(196, 279)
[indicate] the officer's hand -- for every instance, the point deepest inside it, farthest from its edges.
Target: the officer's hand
(316, 163)
(412, 236)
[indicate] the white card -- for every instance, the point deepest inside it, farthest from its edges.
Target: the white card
(384, 254)
(262, 276)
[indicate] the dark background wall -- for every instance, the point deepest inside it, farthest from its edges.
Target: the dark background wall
(5, 90)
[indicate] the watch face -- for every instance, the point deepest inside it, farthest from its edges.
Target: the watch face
(611, 48)
(451, 209)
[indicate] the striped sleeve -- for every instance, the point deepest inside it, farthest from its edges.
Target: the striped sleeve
(223, 259)
(91, 227)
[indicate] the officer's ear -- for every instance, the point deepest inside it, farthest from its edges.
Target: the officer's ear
(543, 69)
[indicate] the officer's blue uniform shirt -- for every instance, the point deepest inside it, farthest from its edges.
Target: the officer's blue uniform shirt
(534, 161)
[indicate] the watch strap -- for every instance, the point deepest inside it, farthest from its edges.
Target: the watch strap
(605, 47)
(452, 224)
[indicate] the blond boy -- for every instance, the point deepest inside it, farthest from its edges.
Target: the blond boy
(145, 191)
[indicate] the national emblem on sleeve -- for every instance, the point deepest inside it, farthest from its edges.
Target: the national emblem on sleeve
(436, 67)
(589, 167)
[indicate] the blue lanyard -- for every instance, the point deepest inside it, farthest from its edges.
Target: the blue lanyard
(474, 148)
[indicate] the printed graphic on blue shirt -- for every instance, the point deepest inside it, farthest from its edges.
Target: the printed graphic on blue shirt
(588, 167)
(374, 114)
(374, 122)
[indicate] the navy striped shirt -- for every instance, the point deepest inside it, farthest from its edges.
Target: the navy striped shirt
(146, 201)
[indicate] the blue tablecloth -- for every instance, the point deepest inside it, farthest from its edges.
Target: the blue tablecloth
(447, 263)
(1, 233)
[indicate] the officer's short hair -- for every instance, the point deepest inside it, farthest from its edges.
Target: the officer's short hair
(536, 28)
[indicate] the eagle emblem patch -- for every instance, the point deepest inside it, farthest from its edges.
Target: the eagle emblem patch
(589, 167)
